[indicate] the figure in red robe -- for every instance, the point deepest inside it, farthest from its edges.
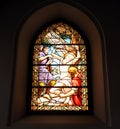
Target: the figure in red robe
(76, 82)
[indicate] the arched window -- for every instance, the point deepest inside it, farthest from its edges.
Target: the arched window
(60, 80)
(97, 78)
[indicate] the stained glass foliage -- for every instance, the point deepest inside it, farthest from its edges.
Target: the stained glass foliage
(59, 73)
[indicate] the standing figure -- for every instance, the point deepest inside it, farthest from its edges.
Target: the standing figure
(45, 77)
(76, 82)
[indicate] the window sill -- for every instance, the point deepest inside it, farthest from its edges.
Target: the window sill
(56, 120)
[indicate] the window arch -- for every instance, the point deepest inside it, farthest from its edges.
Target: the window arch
(60, 70)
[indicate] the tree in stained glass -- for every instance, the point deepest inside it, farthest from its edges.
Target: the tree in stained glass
(59, 73)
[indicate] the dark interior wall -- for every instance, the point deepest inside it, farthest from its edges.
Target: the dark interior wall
(108, 15)
(11, 15)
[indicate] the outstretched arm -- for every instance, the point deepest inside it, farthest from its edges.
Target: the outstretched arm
(42, 56)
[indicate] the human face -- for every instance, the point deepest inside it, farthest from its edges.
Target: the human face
(46, 50)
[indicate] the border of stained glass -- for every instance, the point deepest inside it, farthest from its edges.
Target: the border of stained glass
(60, 70)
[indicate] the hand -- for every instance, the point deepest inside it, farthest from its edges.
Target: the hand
(49, 56)
(49, 62)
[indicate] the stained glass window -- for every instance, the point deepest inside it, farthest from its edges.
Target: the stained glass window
(60, 70)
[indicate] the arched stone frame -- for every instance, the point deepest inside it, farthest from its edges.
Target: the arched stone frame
(91, 27)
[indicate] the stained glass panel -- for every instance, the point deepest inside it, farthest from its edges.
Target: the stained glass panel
(59, 72)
